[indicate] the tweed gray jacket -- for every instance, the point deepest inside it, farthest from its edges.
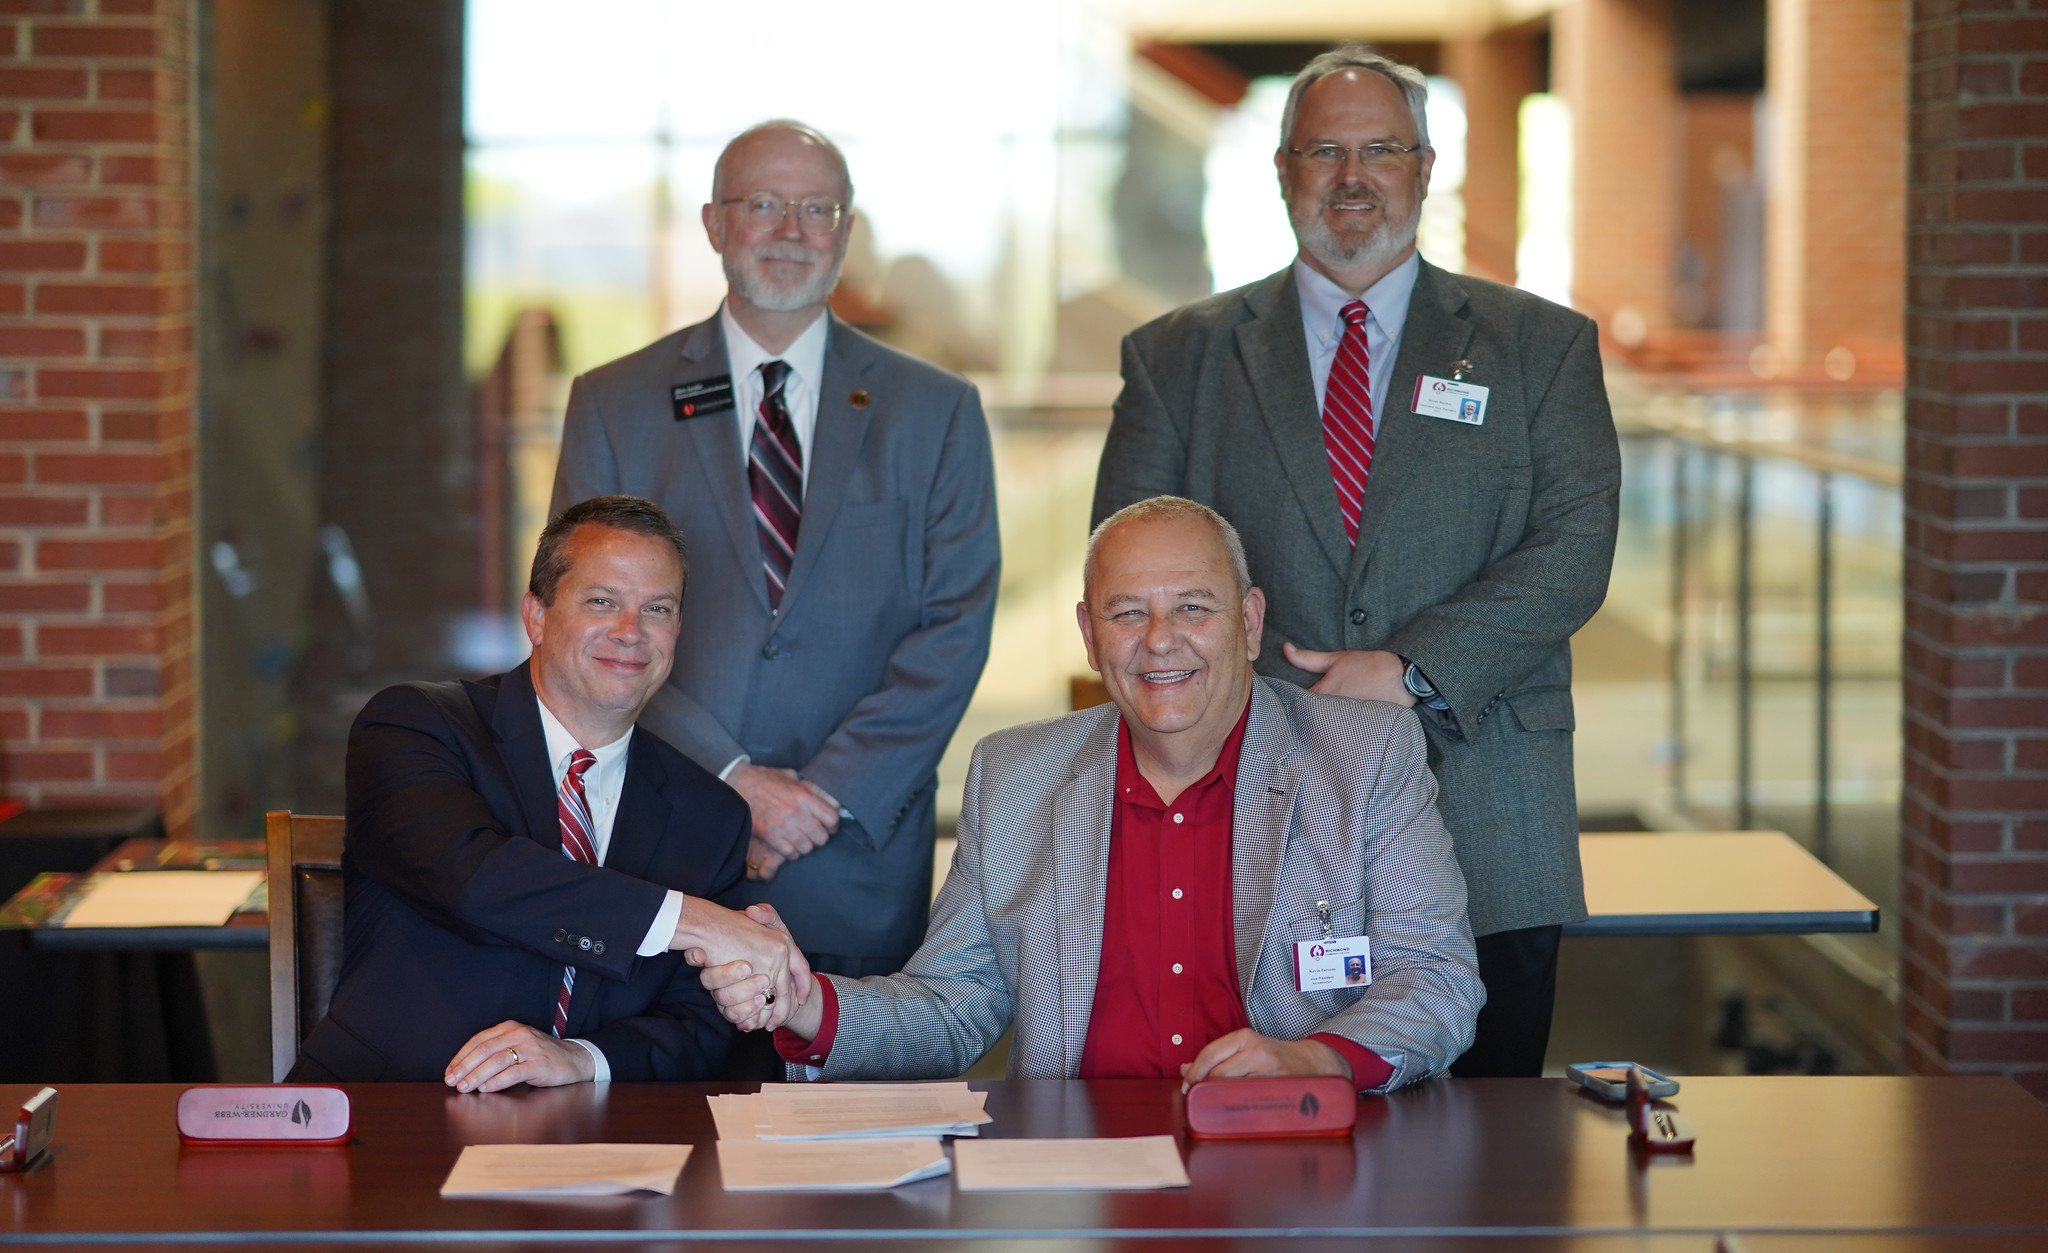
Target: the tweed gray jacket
(1480, 548)
(1333, 803)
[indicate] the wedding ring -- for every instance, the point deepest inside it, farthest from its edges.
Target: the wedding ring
(769, 999)
(754, 866)
(515, 1056)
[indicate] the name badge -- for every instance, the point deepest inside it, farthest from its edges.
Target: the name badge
(1454, 399)
(1342, 962)
(694, 400)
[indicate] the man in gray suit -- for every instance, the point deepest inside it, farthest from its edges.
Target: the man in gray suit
(1169, 885)
(1417, 550)
(839, 501)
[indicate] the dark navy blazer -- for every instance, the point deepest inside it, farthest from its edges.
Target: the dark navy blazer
(460, 909)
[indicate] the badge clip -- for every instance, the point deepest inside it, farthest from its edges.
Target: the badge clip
(1459, 369)
(1323, 916)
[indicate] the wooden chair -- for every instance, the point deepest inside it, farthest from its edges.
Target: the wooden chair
(304, 873)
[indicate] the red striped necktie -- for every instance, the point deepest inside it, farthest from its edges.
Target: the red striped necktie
(775, 473)
(1347, 417)
(579, 843)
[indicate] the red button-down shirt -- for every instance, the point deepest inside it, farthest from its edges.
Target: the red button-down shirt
(1167, 983)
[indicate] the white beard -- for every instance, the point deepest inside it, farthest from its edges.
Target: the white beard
(746, 276)
(1384, 243)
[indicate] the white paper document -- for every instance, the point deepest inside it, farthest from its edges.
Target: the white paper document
(850, 1111)
(829, 1165)
(163, 898)
(1131, 1164)
(546, 1170)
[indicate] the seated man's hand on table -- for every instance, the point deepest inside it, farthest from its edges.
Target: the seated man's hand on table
(711, 935)
(512, 1052)
(742, 992)
(1245, 1054)
(792, 816)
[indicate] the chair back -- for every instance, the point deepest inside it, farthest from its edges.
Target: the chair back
(304, 875)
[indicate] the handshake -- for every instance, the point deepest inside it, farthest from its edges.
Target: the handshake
(753, 967)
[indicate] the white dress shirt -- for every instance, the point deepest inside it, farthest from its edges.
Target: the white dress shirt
(805, 357)
(1322, 303)
(602, 784)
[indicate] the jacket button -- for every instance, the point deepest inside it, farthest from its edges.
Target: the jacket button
(1358, 617)
(771, 651)
(561, 936)
(598, 948)
(584, 943)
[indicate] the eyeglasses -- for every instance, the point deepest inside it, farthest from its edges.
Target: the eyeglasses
(1372, 156)
(815, 215)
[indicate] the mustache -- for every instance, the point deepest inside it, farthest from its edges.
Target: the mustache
(1353, 194)
(786, 250)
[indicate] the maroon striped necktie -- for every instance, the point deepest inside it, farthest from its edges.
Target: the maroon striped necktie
(775, 473)
(579, 843)
(1347, 417)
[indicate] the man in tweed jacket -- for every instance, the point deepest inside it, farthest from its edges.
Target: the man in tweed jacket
(1131, 880)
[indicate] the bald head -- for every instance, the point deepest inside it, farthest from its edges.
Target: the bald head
(1172, 509)
(780, 136)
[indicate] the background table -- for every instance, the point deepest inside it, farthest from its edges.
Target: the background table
(1713, 883)
(1528, 1160)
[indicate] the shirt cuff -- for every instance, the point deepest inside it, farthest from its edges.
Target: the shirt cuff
(730, 766)
(663, 929)
(1368, 1069)
(603, 1067)
(801, 1052)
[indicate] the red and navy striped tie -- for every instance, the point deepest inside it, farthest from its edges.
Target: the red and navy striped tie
(1347, 417)
(579, 843)
(775, 472)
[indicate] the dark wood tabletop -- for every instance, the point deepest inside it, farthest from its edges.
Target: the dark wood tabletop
(1784, 1163)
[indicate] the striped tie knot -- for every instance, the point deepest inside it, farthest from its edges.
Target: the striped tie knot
(1355, 314)
(773, 375)
(580, 763)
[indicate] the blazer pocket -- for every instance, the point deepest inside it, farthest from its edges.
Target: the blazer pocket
(1543, 708)
(1345, 920)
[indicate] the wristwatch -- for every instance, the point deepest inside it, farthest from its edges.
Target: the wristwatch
(1419, 686)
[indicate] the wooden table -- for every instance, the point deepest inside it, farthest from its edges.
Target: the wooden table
(1712, 883)
(1525, 1163)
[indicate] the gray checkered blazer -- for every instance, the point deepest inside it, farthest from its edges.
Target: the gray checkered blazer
(1334, 803)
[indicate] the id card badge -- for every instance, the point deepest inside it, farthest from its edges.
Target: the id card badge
(1332, 961)
(705, 396)
(1452, 399)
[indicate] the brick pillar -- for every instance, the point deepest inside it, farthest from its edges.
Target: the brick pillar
(1975, 809)
(1835, 263)
(96, 381)
(1495, 71)
(1613, 60)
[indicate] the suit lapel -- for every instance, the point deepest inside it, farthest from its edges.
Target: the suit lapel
(643, 813)
(715, 447)
(835, 445)
(1275, 353)
(524, 746)
(1080, 826)
(1436, 334)
(1268, 778)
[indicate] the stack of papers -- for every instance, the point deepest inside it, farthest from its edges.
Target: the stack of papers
(163, 898)
(850, 1111)
(551, 1170)
(1096, 1165)
(829, 1165)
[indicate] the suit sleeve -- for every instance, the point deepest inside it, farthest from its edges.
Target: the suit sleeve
(684, 1037)
(1146, 452)
(1483, 640)
(419, 828)
(589, 467)
(950, 1004)
(887, 747)
(1419, 1011)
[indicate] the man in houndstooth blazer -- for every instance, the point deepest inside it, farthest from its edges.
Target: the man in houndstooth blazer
(1333, 802)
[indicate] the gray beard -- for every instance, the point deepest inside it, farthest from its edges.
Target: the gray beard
(757, 289)
(1385, 243)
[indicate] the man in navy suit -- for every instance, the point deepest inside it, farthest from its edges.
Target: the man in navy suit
(525, 875)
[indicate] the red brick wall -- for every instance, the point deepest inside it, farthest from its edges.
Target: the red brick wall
(96, 382)
(1975, 811)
